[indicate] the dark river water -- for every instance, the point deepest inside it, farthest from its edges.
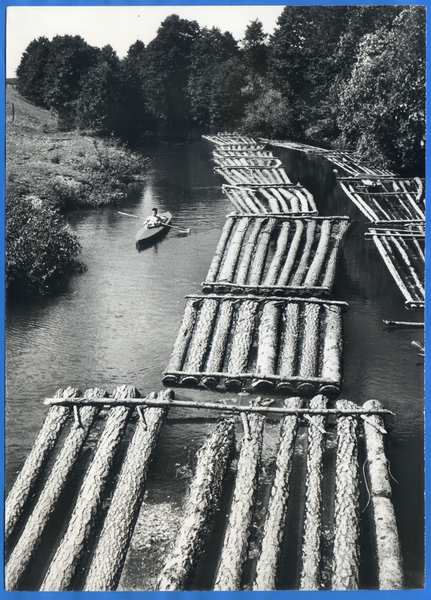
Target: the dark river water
(116, 324)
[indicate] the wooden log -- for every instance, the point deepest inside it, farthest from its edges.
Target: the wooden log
(389, 558)
(266, 299)
(309, 347)
(219, 342)
(282, 201)
(300, 193)
(233, 251)
(384, 250)
(332, 354)
(292, 199)
(254, 200)
(305, 256)
(274, 269)
(357, 200)
(289, 347)
(110, 553)
(243, 199)
(35, 461)
(234, 552)
(259, 257)
(310, 199)
(30, 539)
(199, 507)
(226, 175)
(184, 336)
(404, 323)
(316, 265)
(91, 495)
(266, 363)
(345, 575)
(420, 290)
(291, 255)
(273, 532)
(200, 341)
(220, 249)
(284, 178)
(272, 201)
(311, 545)
(331, 263)
(248, 249)
(241, 343)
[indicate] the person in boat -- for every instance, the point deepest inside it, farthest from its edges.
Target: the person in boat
(154, 220)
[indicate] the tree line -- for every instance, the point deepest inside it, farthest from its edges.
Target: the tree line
(350, 77)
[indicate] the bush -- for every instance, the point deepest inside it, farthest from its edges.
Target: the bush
(39, 248)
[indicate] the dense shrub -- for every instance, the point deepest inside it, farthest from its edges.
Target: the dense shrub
(39, 247)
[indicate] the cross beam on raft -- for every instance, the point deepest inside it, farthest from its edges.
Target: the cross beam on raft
(235, 408)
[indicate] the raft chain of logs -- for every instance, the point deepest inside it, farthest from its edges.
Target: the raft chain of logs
(396, 208)
(265, 337)
(251, 329)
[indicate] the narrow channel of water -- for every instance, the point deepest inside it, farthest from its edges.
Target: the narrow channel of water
(116, 324)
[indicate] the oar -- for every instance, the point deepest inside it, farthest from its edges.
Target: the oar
(164, 224)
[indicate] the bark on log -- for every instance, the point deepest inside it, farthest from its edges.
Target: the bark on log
(274, 269)
(241, 342)
(199, 344)
(248, 249)
(234, 552)
(230, 258)
(316, 265)
(273, 532)
(200, 504)
(309, 347)
(345, 574)
(291, 255)
(219, 251)
(389, 558)
(329, 276)
(272, 201)
(184, 336)
(282, 201)
(266, 363)
(30, 538)
(289, 347)
(261, 252)
(305, 256)
(110, 553)
(35, 461)
(91, 495)
(311, 546)
(332, 354)
(292, 199)
(219, 342)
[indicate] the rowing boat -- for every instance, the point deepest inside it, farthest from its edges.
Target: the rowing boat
(150, 234)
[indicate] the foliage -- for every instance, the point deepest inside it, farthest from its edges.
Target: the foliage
(351, 76)
(39, 248)
(382, 107)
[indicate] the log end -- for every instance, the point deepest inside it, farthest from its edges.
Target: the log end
(329, 389)
(169, 379)
(189, 381)
(306, 387)
(285, 386)
(211, 382)
(262, 384)
(234, 385)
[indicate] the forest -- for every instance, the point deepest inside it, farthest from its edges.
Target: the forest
(348, 77)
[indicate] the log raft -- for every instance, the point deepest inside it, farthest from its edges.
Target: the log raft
(304, 258)
(287, 333)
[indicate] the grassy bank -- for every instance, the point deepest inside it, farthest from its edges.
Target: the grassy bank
(47, 173)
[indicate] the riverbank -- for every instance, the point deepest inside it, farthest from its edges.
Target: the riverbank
(65, 169)
(49, 172)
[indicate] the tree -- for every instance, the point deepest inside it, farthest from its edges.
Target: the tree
(31, 71)
(209, 51)
(382, 108)
(166, 68)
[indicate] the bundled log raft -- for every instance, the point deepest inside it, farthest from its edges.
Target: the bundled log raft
(404, 256)
(299, 344)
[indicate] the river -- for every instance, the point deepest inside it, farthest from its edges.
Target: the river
(116, 323)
